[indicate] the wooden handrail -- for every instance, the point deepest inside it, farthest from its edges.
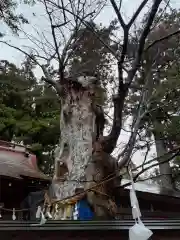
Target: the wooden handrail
(148, 213)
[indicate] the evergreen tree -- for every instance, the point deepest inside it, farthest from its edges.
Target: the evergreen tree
(29, 110)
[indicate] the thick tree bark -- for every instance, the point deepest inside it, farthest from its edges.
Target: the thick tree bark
(164, 168)
(80, 160)
(77, 120)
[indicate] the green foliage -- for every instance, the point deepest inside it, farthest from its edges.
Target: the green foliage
(90, 56)
(29, 110)
(161, 63)
(161, 66)
(89, 53)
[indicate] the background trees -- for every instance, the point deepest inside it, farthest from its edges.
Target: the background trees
(161, 66)
(29, 110)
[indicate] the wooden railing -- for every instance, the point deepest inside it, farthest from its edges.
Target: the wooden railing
(126, 213)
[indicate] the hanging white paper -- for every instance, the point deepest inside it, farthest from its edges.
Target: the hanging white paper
(38, 213)
(14, 215)
(138, 231)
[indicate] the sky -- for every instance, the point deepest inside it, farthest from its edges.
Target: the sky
(107, 14)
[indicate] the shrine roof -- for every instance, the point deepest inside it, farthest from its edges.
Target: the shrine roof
(17, 162)
(152, 188)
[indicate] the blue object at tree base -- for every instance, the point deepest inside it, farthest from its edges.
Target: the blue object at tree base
(84, 210)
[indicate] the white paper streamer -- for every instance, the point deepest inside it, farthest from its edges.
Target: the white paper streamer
(138, 231)
(38, 213)
(14, 215)
(43, 219)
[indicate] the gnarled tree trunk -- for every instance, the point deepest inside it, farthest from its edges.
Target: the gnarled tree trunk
(75, 151)
(80, 160)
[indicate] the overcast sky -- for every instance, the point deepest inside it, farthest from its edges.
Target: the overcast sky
(107, 14)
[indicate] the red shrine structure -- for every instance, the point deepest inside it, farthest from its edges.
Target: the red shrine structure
(19, 175)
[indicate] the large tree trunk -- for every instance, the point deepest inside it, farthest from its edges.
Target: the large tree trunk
(164, 168)
(80, 161)
(77, 120)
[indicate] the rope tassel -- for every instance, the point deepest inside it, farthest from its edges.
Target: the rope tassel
(14, 215)
(43, 219)
(38, 213)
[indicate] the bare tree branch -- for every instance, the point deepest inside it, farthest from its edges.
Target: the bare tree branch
(142, 40)
(123, 89)
(162, 39)
(88, 27)
(64, 13)
(111, 140)
(48, 78)
(123, 25)
(129, 147)
(142, 110)
(146, 154)
(120, 4)
(54, 38)
(141, 6)
(157, 164)
(161, 15)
